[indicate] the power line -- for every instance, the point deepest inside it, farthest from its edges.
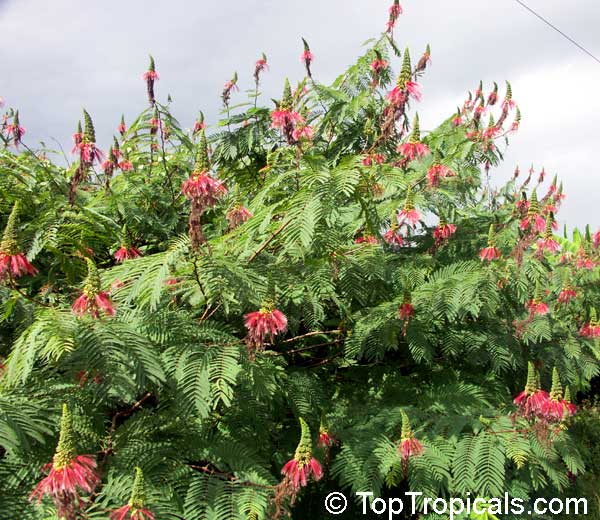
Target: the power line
(558, 30)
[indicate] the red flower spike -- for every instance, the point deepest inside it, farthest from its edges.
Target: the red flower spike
(93, 300)
(264, 324)
(13, 262)
(70, 474)
(303, 466)
(491, 252)
(531, 400)
(409, 446)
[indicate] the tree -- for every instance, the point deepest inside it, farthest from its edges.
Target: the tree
(318, 296)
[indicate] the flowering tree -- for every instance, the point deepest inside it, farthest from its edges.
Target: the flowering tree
(318, 296)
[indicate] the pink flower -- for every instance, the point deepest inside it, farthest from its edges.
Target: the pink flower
(548, 244)
(93, 304)
(126, 253)
(414, 90)
(378, 65)
(122, 128)
(413, 151)
(531, 403)
(490, 253)
(198, 125)
(410, 447)
(205, 187)
(68, 480)
(260, 66)
(457, 120)
(596, 239)
(128, 512)
(151, 75)
(15, 131)
(263, 324)
(89, 153)
(508, 104)
(126, 165)
(307, 57)
(437, 172)
(1, 101)
(590, 330)
(298, 473)
(443, 232)
(537, 308)
(410, 215)
(238, 215)
(16, 265)
(535, 222)
(303, 132)
(326, 440)
(395, 11)
(283, 117)
(393, 237)
(584, 261)
(406, 310)
(566, 295)
(366, 239)
(368, 160)
(553, 410)
(396, 96)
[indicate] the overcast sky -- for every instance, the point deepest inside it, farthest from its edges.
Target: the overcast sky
(60, 56)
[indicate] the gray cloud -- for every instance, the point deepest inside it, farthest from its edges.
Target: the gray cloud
(60, 56)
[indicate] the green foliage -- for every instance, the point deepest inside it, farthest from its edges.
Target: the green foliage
(173, 383)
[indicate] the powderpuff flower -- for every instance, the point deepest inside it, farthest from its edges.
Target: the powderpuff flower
(438, 172)
(128, 512)
(490, 253)
(199, 125)
(406, 309)
(122, 128)
(414, 90)
(12, 261)
(126, 165)
(410, 215)
(126, 253)
(298, 472)
(443, 232)
(150, 75)
(204, 187)
(326, 440)
(396, 96)
(369, 160)
(566, 295)
(260, 66)
(531, 400)
(303, 132)
(307, 57)
(283, 117)
(413, 150)
(596, 239)
(534, 222)
(393, 237)
(409, 446)
(583, 261)
(571, 408)
(89, 152)
(378, 65)
(15, 131)
(238, 215)
(303, 466)
(554, 409)
(457, 120)
(135, 509)
(15, 265)
(537, 307)
(93, 304)
(265, 323)
(548, 244)
(366, 239)
(395, 11)
(590, 329)
(69, 473)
